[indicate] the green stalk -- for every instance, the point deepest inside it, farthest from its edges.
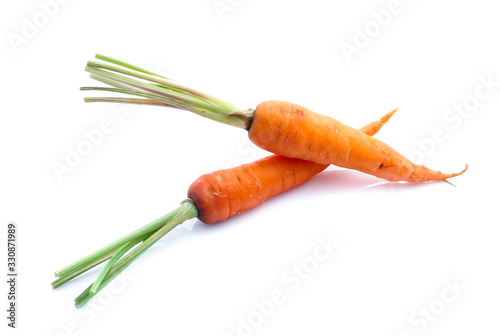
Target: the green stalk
(120, 100)
(151, 101)
(186, 211)
(125, 65)
(70, 276)
(123, 252)
(164, 82)
(125, 248)
(185, 102)
(148, 87)
(127, 89)
(136, 81)
(167, 82)
(99, 254)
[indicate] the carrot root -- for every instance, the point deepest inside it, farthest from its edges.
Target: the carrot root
(373, 127)
(424, 174)
(294, 131)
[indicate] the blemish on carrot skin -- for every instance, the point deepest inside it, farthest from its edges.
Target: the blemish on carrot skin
(347, 156)
(218, 194)
(279, 131)
(287, 137)
(258, 183)
(308, 148)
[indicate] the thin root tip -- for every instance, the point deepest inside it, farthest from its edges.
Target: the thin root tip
(464, 170)
(456, 174)
(388, 116)
(449, 183)
(393, 111)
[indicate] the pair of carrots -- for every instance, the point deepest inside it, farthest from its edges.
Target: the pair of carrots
(225, 193)
(305, 144)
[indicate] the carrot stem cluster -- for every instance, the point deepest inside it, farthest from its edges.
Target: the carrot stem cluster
(154, 89)
(123, 252)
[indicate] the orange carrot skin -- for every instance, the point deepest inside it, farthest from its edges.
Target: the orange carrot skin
(294, 131)
(225, 193)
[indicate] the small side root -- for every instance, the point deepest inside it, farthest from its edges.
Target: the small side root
(449, 183)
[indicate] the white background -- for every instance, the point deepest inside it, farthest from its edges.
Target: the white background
(399, 245)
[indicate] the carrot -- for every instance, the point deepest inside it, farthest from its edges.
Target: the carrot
(212, 198)
(294, 131)
(282, 128)
(225, 193)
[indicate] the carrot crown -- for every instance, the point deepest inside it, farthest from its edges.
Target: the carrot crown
(154, 89)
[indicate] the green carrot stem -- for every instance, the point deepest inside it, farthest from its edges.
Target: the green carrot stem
(97, 255)
(70, 276)
(186, 211)
(161, 80)
(125, 65)
(124, 249)
(124, 91)
(189, 103)
(127, 89)
(153, 86)
(148, 87)
(153, 99)
(136, 101)
(166, 83)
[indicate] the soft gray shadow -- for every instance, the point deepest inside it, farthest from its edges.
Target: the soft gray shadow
(350, 180)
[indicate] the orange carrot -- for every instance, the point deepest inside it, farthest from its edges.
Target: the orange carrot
(212, 198)
(225, 193)
(294, 131)
(282, 128)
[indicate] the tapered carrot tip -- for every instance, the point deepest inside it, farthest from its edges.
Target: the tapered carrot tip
(459, 173)
(423, 174)
(373, 127)
(456, 174)
(389, 115)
